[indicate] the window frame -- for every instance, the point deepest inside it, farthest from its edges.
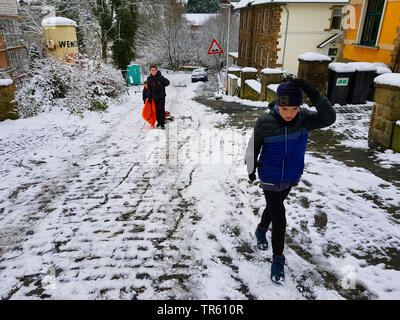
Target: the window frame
(361, 25)
(333, 16)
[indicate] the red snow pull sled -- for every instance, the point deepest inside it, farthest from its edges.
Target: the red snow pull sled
(149, 112)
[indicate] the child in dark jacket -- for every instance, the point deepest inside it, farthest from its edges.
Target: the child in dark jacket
(156, 84)
(282, 135)
(145, 92)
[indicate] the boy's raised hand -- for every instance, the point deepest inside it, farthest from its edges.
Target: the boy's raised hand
(308, 89)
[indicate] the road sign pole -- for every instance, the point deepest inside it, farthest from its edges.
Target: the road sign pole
(227, 41)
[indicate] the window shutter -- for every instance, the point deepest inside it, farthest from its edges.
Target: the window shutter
(372, 21)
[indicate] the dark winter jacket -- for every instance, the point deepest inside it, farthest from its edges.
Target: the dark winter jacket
(145, 94)
(156, 85)
(284, 143)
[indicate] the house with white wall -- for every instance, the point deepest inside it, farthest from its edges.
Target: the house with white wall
(273, 33)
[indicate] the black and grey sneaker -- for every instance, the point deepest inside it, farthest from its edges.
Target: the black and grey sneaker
(277, 269)
(262, 242)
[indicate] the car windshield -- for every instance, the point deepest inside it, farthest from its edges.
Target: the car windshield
(198, 71)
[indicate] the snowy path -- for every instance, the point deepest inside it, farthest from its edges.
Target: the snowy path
(107, 208)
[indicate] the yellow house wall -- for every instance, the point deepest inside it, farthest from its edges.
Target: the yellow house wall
(388, 33)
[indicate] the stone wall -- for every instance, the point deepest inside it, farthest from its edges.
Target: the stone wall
(384, 115)
(8, 105)
(246, 74)
(233, 88)
(315, 72)
(269, 76)
(250, 93)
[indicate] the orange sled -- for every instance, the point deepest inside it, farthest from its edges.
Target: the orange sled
(149, 112)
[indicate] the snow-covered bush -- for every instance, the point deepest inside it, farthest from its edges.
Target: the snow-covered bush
(82, 85)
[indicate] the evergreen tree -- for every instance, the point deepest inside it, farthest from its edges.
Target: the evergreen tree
(118, 21)
(202, 6)
(102, 11)
(124, 30)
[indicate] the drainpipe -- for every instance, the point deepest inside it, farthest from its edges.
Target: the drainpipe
(286, 31)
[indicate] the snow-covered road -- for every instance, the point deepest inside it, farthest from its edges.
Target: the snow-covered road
(105, 207)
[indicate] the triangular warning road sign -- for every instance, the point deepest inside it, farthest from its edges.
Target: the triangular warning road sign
(215, 48)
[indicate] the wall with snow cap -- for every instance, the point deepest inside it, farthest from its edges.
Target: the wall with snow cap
(254, 84)
(252, 90)
(314, 56)
(271, 71)
(269, 76)
(383, 131)
(7, 100)
(235, 68)
(6, 82)
(246, 73)
(248, 69)
(389, 79)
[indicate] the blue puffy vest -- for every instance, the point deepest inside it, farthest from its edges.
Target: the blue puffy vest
(282, 157)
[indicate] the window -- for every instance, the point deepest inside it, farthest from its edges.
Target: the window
(261, 56)
(270, 20)
(336, 18)
(258, 20)
(248, 20)
(264, 20)
(332, 52)
(255, 55)
(372, 22)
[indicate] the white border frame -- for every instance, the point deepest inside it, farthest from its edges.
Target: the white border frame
(360, 28)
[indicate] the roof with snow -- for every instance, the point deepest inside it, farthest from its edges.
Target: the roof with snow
(245, 3)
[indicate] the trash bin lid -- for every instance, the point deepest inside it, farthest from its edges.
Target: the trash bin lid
(382, 70)
(363, 66)
(341, 67)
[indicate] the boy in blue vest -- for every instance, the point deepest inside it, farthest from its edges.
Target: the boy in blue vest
(281, 135)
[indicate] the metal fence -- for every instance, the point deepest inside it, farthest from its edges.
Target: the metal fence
(13, 53)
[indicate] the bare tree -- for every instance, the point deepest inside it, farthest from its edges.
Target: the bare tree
(216, 27)
(164, 36)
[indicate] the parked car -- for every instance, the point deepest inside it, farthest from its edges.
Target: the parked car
(199, 75)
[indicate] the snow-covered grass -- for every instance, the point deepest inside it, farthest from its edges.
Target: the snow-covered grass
(105, 207)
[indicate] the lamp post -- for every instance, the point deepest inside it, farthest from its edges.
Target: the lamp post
(227, 6)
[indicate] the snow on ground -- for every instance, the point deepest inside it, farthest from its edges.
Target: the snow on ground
(106, 207)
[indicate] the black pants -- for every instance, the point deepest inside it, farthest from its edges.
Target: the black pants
(160, 110)
(275, 213)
